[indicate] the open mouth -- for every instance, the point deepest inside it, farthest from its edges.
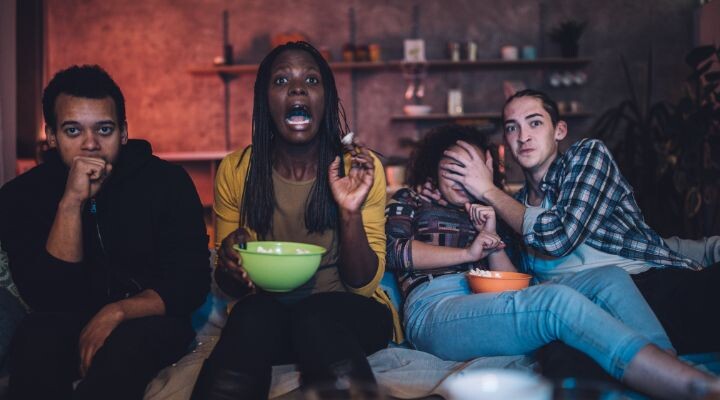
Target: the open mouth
(298, 115)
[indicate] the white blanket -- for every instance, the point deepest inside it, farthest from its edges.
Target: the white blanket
(400, 372)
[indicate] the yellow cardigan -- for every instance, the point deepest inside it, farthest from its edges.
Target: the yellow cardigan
(230, 185)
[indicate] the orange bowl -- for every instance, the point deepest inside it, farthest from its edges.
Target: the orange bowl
(500, 281)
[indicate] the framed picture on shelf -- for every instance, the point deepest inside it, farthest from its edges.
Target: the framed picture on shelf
(414, 50)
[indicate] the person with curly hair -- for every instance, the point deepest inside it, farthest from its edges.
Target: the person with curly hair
(431, 245)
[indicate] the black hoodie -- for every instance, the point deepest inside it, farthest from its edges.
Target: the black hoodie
(146, 232)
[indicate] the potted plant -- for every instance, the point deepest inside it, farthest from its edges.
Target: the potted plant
(669, 152)
(567, 35)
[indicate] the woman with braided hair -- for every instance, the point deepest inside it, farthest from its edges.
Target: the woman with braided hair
(298, 183)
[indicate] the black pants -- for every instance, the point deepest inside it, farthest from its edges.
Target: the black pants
(323, 333)
(45, 361)
(685, 302)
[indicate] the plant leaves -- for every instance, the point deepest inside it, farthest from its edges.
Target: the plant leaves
(628, 80)
(712, 76)
(698, 55)
(709, 89)
(635, 111)
(698, 72)
(600, 127)
(685, 105)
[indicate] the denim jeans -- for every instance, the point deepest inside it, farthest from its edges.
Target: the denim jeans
(11, 313)
(599, 312)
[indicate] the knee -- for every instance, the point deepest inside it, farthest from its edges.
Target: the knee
(255, 319)
(142, 347)
(557, 292)
(307, 325)
(559, 299)
(36, 344)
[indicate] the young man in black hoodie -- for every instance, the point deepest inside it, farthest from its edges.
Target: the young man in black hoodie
(107, 246)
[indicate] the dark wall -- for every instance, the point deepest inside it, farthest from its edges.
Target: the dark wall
(148, 46)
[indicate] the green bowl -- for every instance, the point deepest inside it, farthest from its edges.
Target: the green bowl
(280, 266)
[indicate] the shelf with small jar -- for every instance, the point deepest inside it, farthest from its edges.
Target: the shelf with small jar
(548, 63)
(493, 116)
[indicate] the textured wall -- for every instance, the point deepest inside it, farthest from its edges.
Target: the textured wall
(149, 45)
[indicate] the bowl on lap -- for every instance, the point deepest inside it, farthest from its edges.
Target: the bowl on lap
(483, 281)
(280, 266)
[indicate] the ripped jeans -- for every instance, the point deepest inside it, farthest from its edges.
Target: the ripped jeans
(599, 312)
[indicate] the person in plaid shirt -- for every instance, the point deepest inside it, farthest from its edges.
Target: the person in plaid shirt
(576, 211)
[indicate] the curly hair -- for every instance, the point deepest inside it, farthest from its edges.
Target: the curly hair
(424, 161)
(258, 201)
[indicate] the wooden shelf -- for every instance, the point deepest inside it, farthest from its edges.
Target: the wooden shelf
(239, 69)
(471, 116)
(566, 63)
(194, 155)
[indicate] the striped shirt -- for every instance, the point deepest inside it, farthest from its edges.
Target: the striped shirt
(592, 203)
(408, 218)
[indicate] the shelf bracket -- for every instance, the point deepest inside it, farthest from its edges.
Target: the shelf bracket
(226, 78)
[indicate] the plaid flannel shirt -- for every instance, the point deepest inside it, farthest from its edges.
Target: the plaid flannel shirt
(594, 204)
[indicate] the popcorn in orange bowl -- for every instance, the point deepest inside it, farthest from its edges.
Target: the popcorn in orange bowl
(483, 281)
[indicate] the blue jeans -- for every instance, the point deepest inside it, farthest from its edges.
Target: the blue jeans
(599, 312)
(11, 313)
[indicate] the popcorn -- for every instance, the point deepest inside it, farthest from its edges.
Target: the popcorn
(483, 273)
(347, 140)
(263, 250)
(277, 250)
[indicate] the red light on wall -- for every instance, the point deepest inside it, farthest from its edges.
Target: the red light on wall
(501, 155)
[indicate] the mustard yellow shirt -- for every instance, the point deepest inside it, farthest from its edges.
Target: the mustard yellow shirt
(230, 185)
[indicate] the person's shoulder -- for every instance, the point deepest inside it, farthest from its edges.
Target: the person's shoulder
(588, 146)
(238, 159)
(239, 155)
(586, 151)
(27, 183)
(407, 196)
(159, 168)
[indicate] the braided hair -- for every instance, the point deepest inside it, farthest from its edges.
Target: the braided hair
(258, 200)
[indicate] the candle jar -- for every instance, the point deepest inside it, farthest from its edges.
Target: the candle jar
(454, 51)
(455, 102)
(471, 49)
(348, 52)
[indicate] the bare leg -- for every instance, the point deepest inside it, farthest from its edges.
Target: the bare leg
(655, 372)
